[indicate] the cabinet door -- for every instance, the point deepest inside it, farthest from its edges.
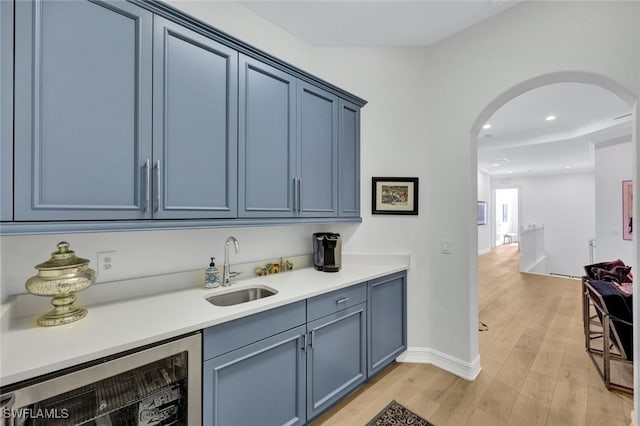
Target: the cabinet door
(82, 110)
(349, 160)
(195, 125)
(260, 384)
(336, 361)
(267, 140)
(317, 152)
(387, 320)
(6, 110)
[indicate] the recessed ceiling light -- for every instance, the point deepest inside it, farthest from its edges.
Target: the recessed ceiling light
(550, 117)
(567, 167)
(486, 126)
(496, 165)
(510, 171)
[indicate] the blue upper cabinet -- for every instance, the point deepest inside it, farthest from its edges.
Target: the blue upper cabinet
(267, 140)
(195, 125)
(132, 115)
(349, 160)
(317, 129)
(6, 110)
(83, 110)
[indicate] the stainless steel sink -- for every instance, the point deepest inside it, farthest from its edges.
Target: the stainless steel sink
(241, 296)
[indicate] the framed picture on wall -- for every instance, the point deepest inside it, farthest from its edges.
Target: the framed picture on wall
(482, 212)
(394, 195)
(627, 209)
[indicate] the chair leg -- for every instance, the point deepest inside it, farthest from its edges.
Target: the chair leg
(607, 355)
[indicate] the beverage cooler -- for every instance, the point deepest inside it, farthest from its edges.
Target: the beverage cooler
(158, 385)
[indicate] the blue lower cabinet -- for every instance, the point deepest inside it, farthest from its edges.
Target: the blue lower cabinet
(287, 365)
(259, 384)
(336, 358)
(387, 320)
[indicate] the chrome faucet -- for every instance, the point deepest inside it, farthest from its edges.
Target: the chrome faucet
(226, 273)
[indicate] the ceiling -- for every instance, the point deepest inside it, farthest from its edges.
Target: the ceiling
(376, 22)
(520, 140)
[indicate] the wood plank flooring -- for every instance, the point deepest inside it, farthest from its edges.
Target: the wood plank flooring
(535, 370)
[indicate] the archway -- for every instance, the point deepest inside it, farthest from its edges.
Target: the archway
(567, 77)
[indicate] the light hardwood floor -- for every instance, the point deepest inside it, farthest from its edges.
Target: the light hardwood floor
(535, 370)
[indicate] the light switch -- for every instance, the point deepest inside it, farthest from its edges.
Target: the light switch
(445, 246)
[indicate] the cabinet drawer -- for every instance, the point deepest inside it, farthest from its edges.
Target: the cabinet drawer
(223, 338)
(335, 301)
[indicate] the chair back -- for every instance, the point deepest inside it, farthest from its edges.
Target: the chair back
(612, 306)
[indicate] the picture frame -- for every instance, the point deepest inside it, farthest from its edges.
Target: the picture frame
(394, 195)
(482, 212)
(627, 210)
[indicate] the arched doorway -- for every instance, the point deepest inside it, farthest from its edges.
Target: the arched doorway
(555, 142)
(570, 77)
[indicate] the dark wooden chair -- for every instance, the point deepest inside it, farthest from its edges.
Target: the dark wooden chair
(607, 317)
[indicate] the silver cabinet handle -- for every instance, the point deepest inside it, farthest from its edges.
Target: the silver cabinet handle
(295, 194)
(158, 186)
(299, 195)
(313, 335)
(343, 300)
(304, 345)
(147, 167)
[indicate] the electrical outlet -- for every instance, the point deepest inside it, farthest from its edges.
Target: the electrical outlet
(106, 263)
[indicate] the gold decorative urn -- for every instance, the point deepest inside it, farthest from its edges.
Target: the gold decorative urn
(60, 277)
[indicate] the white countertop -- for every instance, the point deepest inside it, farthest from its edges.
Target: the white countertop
(118, 324)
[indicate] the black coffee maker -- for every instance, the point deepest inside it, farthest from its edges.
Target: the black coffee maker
(327, 251)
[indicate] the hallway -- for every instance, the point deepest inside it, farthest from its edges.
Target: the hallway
(535, 370)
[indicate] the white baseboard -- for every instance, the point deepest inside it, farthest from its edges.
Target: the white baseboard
(466, 370)
(484, 251)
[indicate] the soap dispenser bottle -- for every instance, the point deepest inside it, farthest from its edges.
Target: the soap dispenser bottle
(211, 276)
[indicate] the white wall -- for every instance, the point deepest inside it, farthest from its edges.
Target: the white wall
(613, 165)
(145, 253)
(423, 103)
(565, 205)
(484, 194)
(466, 73)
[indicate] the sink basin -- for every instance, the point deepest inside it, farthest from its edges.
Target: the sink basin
(243, 295)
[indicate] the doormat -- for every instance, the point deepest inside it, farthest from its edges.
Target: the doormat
(397, 415)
